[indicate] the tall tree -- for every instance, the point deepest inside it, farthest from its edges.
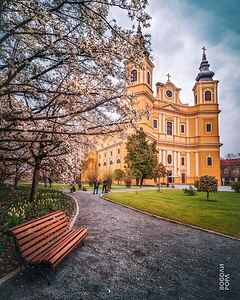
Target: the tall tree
(141, 156)
(62, 75)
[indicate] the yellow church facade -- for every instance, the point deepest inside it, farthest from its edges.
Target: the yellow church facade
(187, 137)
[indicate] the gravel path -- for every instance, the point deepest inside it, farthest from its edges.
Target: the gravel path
(129, 255)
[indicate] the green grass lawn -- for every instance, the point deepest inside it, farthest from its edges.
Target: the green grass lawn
(221, 213)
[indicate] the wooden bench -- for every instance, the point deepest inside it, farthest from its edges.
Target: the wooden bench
(44, 242)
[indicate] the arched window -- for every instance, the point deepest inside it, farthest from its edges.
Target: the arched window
(118, 161)
(208, 127)
(99, 164)
(111, 162)
(169, 159)
(104, 163)
(169, 128)
(134, 75)
(209, 161)
(208, 96)
(148, 78)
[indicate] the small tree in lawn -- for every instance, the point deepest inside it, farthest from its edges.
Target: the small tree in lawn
(159, 172)
(207, 184)
(119, 175)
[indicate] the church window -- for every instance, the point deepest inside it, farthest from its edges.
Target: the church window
(118, 161)
(148, 78)
(134, 75)
(169, 128)
(208, 96)
(110, 153)
(118, 151)
(104, 163)
(99, 164)
(99, 156)
(183, 161)
(208, 127)
(209, 161)
(182, 128)
(155, 123)
(111, 162)
(169, 159)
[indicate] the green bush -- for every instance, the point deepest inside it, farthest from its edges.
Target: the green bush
(191, 191)
(235, 186)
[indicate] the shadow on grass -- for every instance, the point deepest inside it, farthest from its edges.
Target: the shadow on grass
(210, 200)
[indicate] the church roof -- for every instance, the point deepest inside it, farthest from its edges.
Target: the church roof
(205, 74)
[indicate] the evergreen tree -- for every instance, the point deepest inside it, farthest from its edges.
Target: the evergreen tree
(141, 156)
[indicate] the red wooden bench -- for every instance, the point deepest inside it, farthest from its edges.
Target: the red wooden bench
(44, 242)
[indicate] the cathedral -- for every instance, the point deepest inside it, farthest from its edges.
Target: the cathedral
(187, 136)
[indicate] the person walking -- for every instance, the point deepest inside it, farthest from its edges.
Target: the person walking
(95, 187)
(104, 188)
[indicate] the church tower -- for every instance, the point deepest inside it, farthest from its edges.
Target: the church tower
(141, 84)
(206, 121)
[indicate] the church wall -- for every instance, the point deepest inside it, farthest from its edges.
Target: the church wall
(194, 144)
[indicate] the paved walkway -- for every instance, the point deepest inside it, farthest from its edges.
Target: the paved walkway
(129, 255)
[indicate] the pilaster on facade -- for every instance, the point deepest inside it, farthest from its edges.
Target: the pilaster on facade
(179, 163)
(197, 163)
(188, 163)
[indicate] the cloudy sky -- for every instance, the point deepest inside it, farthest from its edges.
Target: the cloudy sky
(179, 29)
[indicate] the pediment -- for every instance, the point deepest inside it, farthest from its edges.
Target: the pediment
(171, 107)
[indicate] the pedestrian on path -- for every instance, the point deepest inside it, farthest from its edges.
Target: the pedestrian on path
(104, 188)
(95, 187)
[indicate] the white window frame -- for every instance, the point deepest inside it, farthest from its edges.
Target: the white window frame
(184, 126)
(208, 123)
(209, 156)
(167, 128)
(208, 101)
(157, 123)
(133, 81)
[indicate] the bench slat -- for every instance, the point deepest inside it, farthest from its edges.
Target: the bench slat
(45, 254)
(22, 227)
(54, 261)
(37, 255)
(39, 242)
(34, 234)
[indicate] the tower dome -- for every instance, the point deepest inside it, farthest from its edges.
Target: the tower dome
(205, 74)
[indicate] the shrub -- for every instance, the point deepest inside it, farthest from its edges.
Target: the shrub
(128, 178)
(191, 191)
(208, 184)
(235, 186)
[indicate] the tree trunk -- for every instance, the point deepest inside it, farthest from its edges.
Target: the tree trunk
(16, 180)
(141, 182)
(35, 180)
(207, 195)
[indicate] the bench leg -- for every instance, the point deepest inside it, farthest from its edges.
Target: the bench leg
(46, 274)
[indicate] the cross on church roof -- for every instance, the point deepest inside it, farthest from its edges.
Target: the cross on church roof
(168, 76)
(204, 57)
